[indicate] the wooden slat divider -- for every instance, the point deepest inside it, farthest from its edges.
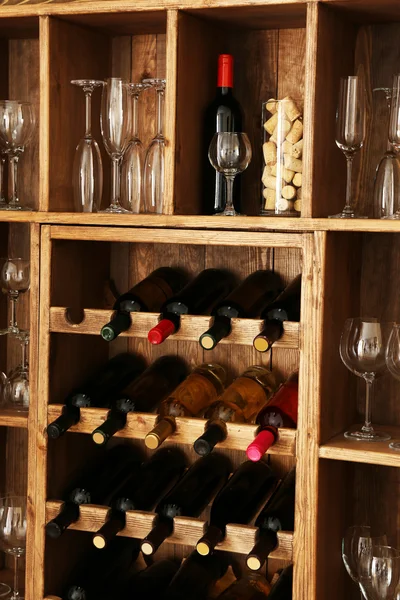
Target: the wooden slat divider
(187, 531)
(243, 330)
(11, 418)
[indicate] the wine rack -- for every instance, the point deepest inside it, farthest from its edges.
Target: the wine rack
(348, 267)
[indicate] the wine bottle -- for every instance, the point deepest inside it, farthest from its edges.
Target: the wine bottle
(285, 308)
(237, 502)
(277, 515)
(197, 298)
(99, 390)
(202, 387)
(143, 394)
(240, 403)
(251, 587)
(281, 411)
(187, 498)
(142, 491)
(97, 573)
(95, 486)
(224, 114)
(245, 301)
(196, 576)
(282, 589)
(151, 583)
(146, 296)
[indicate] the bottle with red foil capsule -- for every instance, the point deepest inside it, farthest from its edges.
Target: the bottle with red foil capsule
(224, 114)
(197, 298)
(281, 411)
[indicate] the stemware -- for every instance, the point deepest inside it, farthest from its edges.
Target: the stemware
(13, 534)
(230, 154)
(153, 175)
(393, 362)
(350, 132)
(115, 123)
(16, 392)
(362, 350)
(394, 142)
(3, 203)
(88, 168)
(381, 578)
(17, 122)
(15, 280)
(132, 161)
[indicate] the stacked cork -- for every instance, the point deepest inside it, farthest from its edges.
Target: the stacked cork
(283, 150)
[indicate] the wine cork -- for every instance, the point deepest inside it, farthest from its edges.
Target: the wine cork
(299, 193)
(291, 108)
(270, 125)
(286, 174)
(294, 164)
(270, 182)
(267, 171)
(297, 206)
(280, 131)
(296, 132)
(297, 149)
(269, 151)
(284, 205)
(297, 180)
(269, 196)
(287, 148)
(271, 105)
(288, 192)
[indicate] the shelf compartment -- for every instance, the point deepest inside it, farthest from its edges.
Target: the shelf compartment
(373, 453)
(188, 430)
(12, 418)
(187, 531)
(243, 330)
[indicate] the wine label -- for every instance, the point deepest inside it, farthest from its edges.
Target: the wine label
(245, 397)
(194, 394)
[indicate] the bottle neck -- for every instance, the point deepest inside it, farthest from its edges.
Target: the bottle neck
(224, 91)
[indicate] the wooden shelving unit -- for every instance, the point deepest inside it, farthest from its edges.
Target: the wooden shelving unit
(349, 267)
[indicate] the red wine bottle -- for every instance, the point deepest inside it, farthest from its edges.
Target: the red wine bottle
(245, 301)
(151, 583)
(96, 574)
(143, 394)
(277, 515)
(146, 296)
(188, 498)
(281, 411)
(237, 502)
(96, 485)
(196, 576)
(197, 298)
(285, 308)
(224, 114)
(142, 491)
(282, 589)
(99, 390)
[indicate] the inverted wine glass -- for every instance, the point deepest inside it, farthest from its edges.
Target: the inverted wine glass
(350, 132)
(115, 123)
(17, 123)
(133, 158)
(16, 394)
(88, 168)
(381, 577)
(230, 154)
(154, 163)
(15, 280)
(13, 534)
(394, 145)
(362, 350)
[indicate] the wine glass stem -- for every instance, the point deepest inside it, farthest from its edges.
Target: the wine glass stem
(16, 584)
(13, 310)
(88, 113)
(24, 347)
(14, 179)
(135, 116)
(349, 161)
(229, 191)
(368, 406)
(116, 183)
(160, 113)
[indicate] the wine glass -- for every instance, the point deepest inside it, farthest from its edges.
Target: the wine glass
(381, 578)
(362, 350)
(350, 132)
(17, 123)
(132, 162)
(16, 392)
(154, 163)
(15, 280)
(393, 363)
(356, 545)
(13, 533)
(230, 154)
(115, 123)
(394, 141)
(88, 168)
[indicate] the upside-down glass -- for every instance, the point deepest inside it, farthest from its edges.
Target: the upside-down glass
(230, 154)
(115, 120)
(16, 392)
(394, 141)
(350, 132)
(362, 350)
(15, 280)
(381, 578)
(88, 168)
(154, 162)
(132, 161)
(13, 533)
(17, 123)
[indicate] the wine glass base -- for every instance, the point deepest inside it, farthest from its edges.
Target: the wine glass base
(17, 207)
(395, 446)
(344, 215)
(394, 217)
(116, 210)
(364, 436)
(229, 213)
(5, 590)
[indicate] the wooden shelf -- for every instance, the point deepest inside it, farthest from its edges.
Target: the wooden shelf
(187, 431)
(12, 418)
(374, 453)
(243, 330)
(187, 531)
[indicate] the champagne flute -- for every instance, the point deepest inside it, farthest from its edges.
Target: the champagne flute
(154, 163)
(230, 154)
(350, 132)
(13, 533)
(115, 123)
(88, 168)
(362, 350)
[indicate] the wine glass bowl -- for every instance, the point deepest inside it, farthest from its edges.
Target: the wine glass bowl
(381, 576)
(154, 163)
(16, 389)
